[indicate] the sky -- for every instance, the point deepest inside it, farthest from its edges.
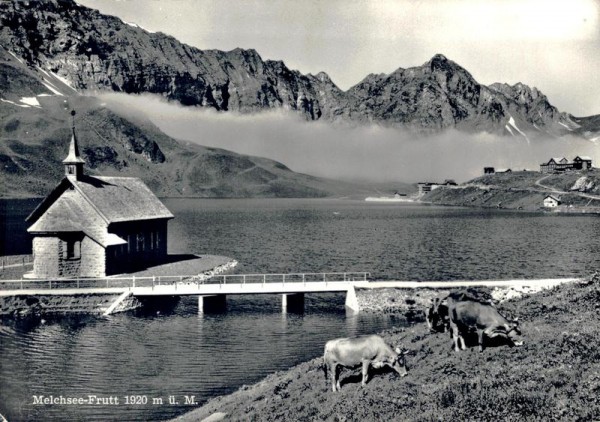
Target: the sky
(553, 45)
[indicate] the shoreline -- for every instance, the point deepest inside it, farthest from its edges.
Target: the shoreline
(302, 393)
(442, 196)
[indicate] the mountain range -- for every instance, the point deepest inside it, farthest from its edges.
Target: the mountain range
(55, 54)
(93, 51)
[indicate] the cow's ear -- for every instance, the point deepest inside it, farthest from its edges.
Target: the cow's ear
(397, 350)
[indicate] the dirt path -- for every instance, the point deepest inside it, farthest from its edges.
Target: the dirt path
(548, 188)
(562, 192)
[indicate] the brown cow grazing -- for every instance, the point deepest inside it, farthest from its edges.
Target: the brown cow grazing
(469, 315)
(437, 315)
(367, 351)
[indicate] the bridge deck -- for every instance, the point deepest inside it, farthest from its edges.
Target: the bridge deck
(190, 289)
(188, 285)
(187, 288)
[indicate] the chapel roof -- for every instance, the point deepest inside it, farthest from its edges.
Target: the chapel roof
(115, 199)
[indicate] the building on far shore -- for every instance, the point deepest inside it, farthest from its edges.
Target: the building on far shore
(426, 187)
(489, 170)
(91, 226)
(582, 162)
(561, 164)
(551, 201)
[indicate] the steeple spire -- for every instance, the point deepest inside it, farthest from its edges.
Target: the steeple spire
(73, 163)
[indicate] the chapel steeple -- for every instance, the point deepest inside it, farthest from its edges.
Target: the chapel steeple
(73, 163)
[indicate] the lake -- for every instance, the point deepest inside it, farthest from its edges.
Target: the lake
(179, 353)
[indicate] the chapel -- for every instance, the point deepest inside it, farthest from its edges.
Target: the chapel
(94, 226)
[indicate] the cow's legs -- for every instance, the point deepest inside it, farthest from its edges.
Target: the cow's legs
(455, 335)
(480, 338)
(338, 373)
(462, 342)
(334, 375)
(365, 371)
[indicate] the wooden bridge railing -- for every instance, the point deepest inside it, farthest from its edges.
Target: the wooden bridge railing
(152, 281)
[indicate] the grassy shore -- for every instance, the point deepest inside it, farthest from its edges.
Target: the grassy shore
(519, 190)
(555, 375)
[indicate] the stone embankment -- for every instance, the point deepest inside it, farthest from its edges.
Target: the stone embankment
(219, 269)
(411, 302)
(31, 305)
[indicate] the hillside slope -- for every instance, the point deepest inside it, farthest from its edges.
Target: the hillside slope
(579, 191)
(553, 376)
(99, 52)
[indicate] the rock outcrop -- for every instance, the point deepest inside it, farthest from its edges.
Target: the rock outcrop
(99, 52)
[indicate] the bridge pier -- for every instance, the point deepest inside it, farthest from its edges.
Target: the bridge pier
(351, 299)
(212, 303)
(293, 302)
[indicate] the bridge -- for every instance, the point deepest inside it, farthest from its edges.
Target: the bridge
(211, 291)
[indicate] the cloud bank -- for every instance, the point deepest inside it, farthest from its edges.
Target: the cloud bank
(368, 153)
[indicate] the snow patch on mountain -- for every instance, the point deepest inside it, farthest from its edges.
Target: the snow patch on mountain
(564, 125)
(13, 103)
(16, 57)
(53, 82)
(32, 101)
(52, 88)
(135, 25)
(511, 122)
(63, 80)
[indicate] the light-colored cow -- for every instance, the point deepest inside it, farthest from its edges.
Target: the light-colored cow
(367, 351)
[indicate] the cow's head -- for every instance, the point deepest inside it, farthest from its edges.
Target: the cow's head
(514, 333)
(399, 363)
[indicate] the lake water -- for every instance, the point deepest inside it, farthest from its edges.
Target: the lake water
(180, 353)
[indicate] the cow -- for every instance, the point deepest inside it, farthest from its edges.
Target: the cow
(369, 350)
(436, 316)
(468, 315)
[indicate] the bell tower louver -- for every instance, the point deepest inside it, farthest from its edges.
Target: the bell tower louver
(73, 163)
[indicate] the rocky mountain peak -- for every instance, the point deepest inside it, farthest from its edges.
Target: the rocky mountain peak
(520, 93)
(439, 61)
(323, 77)
(440, 64)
